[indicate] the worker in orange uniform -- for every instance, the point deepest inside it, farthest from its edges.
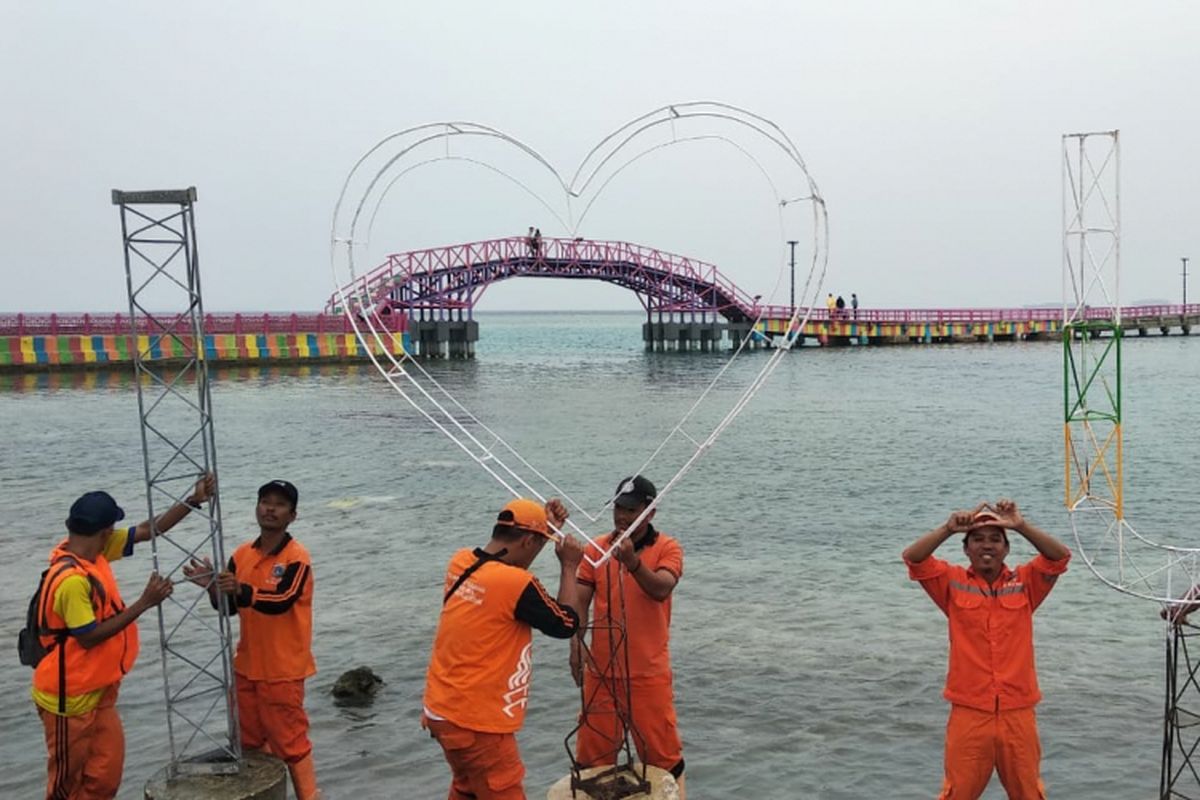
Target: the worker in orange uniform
(477, 685)
(91, 641)
(645, 568)
(269, 585)
(992, 682)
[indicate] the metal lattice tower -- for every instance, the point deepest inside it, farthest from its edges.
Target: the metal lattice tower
(178, 447)
(1110, 546)
(624, 777)
(1181, 716)
(1092, 324)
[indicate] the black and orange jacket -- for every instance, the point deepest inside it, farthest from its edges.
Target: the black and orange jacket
(274, 608)
(479, 673)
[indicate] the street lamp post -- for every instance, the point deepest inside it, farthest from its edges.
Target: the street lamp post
(793, 243)
(1184, 260)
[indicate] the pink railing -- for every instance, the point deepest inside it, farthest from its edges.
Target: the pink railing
(973, 315)
(400, 268)
(108, 324)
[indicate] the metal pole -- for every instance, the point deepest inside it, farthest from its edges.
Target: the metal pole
(1184, 260)
(793, 243)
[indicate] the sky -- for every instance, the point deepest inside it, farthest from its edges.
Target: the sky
(933, 130)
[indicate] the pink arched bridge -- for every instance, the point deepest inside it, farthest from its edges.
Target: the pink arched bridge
(454, 278)
(445, 283)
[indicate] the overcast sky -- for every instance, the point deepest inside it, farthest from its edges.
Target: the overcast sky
(932, 128)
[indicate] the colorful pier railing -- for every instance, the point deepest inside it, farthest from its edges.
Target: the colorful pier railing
(72, 340)
(879, 326)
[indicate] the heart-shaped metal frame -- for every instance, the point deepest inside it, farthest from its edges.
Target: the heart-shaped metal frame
(380, 169)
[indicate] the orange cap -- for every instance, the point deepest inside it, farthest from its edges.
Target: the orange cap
(526, 514)
(984, 519)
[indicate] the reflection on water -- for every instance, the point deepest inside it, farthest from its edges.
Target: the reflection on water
(102, 379)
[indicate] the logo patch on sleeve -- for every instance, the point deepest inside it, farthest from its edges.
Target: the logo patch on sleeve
(277, 571)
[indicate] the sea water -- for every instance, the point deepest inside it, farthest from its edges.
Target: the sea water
(806, 664)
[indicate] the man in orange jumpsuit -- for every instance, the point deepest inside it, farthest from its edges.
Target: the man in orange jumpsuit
(992, 682)
(269, 583)
(477, 685)
(91, 642)
(645, 569)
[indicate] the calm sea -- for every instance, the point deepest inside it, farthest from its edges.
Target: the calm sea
(807, 665)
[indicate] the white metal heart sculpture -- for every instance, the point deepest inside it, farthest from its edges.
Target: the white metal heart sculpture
(762, 142)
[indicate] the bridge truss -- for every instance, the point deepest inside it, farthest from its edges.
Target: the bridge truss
(448, 279)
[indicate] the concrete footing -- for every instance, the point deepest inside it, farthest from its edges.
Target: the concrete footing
(443, 338)
(662, 786)
(261, 777)
(703, 336)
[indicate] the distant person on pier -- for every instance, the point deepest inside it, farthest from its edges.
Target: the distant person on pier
(90, 639)
(831, 305)
(854, 304)
(269, 585)
(632, 592)
(477, 685)
(531, 242)
(537, 241)
(992, 680)
(841, 307)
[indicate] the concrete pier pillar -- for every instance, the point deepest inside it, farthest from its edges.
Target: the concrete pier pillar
(444, 338)
(261, 777)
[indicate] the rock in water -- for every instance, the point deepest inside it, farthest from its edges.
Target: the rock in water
(662, 786)
(356, 687)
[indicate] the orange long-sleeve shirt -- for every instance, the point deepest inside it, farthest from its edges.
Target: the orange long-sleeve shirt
(991, 629)
(274, 607)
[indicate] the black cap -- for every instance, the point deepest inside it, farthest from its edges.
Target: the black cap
(635, 492)
(280, 487)
(93, 512)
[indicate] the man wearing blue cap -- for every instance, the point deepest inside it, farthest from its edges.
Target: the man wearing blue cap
(91, 641)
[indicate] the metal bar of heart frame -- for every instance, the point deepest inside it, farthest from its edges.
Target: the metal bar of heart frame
(491, 451)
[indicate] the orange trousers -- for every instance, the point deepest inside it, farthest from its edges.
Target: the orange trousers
(86, 753)
(981, 742)
(483, 766)
(652, 709)
(271, 717)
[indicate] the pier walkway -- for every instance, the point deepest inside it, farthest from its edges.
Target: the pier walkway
(431, 294)
(426, 299)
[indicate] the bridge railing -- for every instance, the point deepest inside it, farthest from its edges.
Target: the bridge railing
(399, 268)
(977, 315)
(49, 324)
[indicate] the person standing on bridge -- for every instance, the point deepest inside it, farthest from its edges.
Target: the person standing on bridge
(90, 642)
(632, 592)
(840, 304)
(531, 243)
(854, 304)
(537, 241)
(269, 585)
(831, 305)
(477, 685)
(992, 681)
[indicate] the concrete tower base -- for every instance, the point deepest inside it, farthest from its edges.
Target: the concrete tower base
(262, 777)
(662, 786)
